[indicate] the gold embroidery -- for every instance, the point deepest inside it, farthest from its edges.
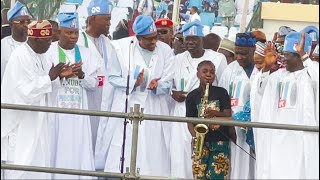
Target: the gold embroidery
(221, 164)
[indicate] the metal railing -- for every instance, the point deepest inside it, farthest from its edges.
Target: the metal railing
(136, 115)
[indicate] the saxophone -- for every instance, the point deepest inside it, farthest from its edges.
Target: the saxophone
(201, 129)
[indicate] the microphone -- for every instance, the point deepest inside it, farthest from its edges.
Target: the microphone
(126, 111)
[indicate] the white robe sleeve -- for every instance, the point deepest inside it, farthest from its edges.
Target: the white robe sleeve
(165, 83)
(311, 139)
(222, 66)
(31, 86)
(90, 67)
(116, 78)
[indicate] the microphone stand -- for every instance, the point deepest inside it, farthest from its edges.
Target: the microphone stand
(126, 111)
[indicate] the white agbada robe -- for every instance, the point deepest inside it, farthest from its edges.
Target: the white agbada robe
(288, 99)
(152, 158)
(100, 98)
(72, 133)
(26, 82)
(185, 79)
(242, 165)
(313, 70)
(8, 44)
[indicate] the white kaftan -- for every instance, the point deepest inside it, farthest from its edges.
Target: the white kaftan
(71, 135)
(153, 142)
(185, 79)
(99, 98)
(288, 99)
(26, 82)
(238, 85)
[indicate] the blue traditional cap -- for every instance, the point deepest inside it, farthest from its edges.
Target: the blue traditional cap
(293, 39)
(68, 20)
(144, 25)
(313, 31)
(97, 7)
(192, 29)
(17, 10)
(246, 39)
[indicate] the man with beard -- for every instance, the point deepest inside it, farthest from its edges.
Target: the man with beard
(27, 82)
(184, 81)
(19, 19)
(148, 63)
(99, 16)
(71, 92)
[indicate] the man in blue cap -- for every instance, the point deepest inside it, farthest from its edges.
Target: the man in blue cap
(19, 19)
(184, 81)
(147, 61)
(71, 92)
(237, 79)
(289, 98)
(98, 24)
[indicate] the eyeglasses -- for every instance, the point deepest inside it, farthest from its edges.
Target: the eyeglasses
(162, 31)
(22, 22)
(150, 38)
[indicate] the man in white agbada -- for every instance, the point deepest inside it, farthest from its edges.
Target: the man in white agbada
(312, 66)
(99, 16)
(26, 82)
(236, 79)
(289, 98)
(71, 136)
(185, 80)
(19, 19)
(150, 75)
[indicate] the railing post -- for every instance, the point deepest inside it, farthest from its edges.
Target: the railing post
(134, 145)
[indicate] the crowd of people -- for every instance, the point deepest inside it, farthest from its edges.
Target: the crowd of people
(168, 73)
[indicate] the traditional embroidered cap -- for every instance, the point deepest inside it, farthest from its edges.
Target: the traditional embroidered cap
(163, 23)
(293, 39)
(40, 29)
(227, 45)
(17, 10)
(192, 29)
(144, 25)
(97, 7)
(68, 20)
(246, 39)
(313, 31)
(260, 47)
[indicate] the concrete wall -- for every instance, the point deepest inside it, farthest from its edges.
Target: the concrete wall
(296, 16)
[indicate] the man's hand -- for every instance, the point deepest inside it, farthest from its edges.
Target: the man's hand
(179, 96)
(300, 46)
(214, 126)
(271, 56)
(56, 70)
(77, 69)
(139, 79)
(153, 84)
(209, 113)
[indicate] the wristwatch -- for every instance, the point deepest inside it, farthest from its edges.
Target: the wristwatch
(83, 75)
(305, 56)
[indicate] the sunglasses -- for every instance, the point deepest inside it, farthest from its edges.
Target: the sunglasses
(163, 31)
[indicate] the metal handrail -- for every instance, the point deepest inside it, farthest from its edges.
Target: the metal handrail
(136, 115)
(75, 172)
(218, 121)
